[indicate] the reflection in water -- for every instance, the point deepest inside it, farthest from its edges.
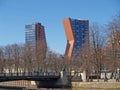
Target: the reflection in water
(64, 89)
(90, 89)
(85, 89)
(9, 89)
(77, 89)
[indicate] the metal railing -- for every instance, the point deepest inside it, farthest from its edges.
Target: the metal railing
(30, 74)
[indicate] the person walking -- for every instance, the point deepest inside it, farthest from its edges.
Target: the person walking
(117, 77)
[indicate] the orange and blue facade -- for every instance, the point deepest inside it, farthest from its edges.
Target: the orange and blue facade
(77, 34)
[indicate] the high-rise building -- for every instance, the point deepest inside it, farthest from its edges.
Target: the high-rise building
(77, 34)
(35, 36)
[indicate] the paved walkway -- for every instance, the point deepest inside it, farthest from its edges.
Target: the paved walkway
(110, 84)
(101, 80)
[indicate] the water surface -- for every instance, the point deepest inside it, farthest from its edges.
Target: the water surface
(63, 89)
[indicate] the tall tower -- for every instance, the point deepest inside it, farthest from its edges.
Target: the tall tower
(35, 36)
(77, 34)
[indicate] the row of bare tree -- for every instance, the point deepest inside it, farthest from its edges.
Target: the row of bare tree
(17, 58)
(104, 51)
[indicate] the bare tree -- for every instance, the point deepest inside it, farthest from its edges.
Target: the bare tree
(2, 60)
(28, 57)
(16, 53)
(9, 58)
(56, 62)
(114, 43)
(52, 60)
(40, 52)
(85, 58)
(97, 49)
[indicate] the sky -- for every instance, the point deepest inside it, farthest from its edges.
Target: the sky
(15, 14)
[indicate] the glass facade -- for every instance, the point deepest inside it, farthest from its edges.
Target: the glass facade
(80, 31)
(30, 34)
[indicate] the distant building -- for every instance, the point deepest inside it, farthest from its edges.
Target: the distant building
(114, 40)
(77, 33)
(35, 36)
(114, 44)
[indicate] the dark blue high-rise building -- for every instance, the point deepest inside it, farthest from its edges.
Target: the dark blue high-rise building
(77, 33)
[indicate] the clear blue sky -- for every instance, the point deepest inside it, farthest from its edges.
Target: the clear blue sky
(15, 14)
